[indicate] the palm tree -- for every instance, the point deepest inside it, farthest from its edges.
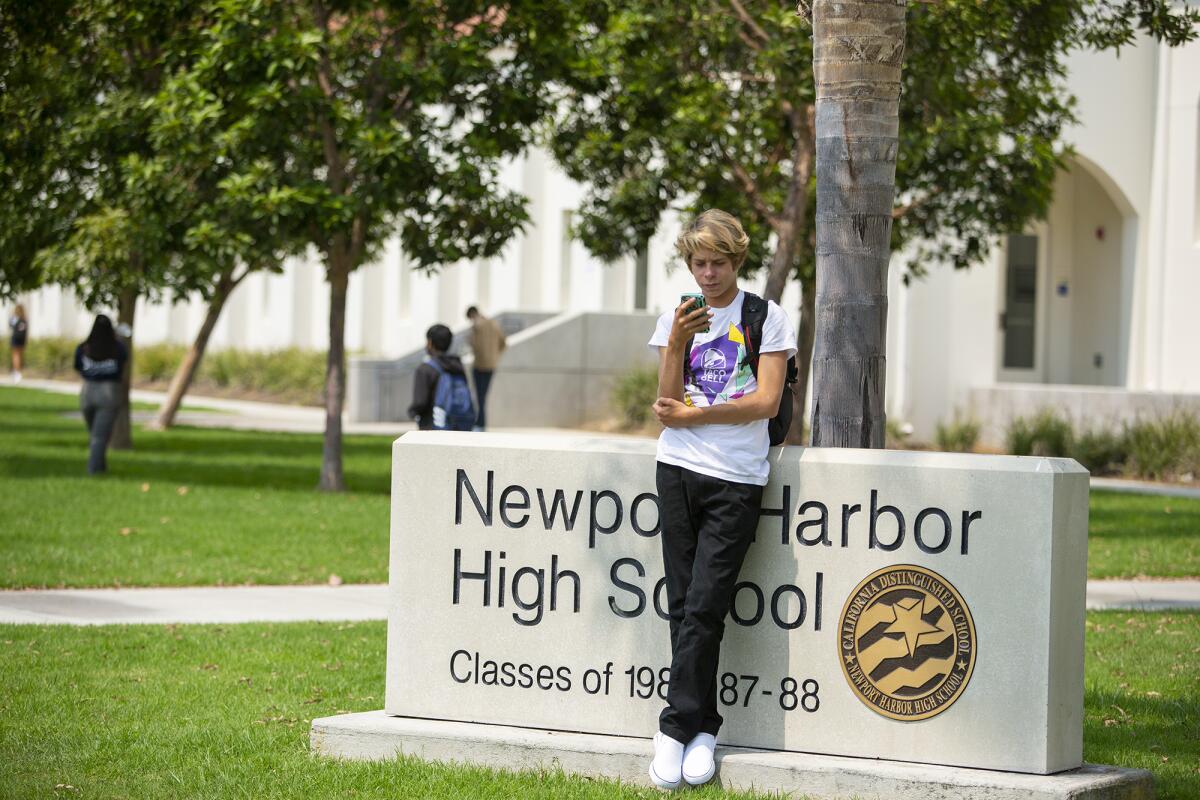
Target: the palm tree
(857, 56)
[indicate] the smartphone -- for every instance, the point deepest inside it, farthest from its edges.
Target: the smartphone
(698, 301)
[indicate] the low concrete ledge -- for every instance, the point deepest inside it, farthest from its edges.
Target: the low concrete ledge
(374, 736)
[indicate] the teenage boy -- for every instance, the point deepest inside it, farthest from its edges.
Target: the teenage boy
(712, 466)
(425, 381)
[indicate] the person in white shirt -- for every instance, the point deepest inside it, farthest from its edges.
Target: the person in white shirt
(716, 394)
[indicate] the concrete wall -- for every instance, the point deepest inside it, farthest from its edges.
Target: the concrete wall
(556, 372)
(380, 390)
(1179, 291)
(561, 373)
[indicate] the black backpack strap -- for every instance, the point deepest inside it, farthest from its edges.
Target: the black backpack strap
(754, 317)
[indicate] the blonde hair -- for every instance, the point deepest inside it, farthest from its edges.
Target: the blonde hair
(19, 311)
(714, 230)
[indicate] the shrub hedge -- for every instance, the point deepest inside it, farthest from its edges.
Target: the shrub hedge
(289, 375)
(1153, 448)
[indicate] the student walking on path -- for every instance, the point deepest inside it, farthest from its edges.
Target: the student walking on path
(720, 380)
(441, 396)
(18, 325)
(100, 360)
(487, 343)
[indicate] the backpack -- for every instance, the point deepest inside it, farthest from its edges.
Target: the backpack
(754, 317)
(453, 409)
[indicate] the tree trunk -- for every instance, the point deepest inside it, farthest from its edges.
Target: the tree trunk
(857, 56)
(804, 352)
(182, 379)
(122, 433)
(339, 262)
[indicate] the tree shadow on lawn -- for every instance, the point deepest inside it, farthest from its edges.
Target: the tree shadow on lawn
(1161, 730)
(232, 473)
(209, 443)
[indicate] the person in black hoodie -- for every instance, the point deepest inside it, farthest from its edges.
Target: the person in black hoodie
(100, 359)
(425, 382)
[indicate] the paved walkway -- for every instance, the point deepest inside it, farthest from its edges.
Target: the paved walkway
(234, 604)
(219, 412)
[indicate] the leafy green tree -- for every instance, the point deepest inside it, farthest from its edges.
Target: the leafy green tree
(694, 105)
(390, 118)
(81, 126)
(230, 185)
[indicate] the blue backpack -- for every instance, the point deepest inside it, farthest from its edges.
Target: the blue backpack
(453, 409)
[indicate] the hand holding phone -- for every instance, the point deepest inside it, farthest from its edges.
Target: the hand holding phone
(696, 303)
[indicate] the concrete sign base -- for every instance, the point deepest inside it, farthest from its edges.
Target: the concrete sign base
(376, 736)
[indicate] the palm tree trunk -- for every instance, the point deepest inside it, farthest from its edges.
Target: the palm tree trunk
(122, 432)
(335, 371)
(182, 379)
(857, 57)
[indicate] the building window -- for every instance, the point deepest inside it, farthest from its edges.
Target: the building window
(1019, 319)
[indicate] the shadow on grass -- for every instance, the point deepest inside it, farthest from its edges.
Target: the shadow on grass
(1155, 728)
(139, 466)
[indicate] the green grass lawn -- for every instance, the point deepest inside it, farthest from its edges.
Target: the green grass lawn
(189, 506)
(1133, 536)
(197, 506)
(217, 712)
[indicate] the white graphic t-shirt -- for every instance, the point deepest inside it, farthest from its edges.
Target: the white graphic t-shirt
(719, 372)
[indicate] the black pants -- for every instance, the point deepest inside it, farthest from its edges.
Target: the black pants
(707, 526)
(483, 379)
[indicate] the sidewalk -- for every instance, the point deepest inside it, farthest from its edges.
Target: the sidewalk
(219, 412)
(233, 604)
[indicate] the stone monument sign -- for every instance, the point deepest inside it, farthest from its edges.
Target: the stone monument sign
(908, 606)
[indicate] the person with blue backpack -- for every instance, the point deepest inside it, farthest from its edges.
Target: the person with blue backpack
(441, 396)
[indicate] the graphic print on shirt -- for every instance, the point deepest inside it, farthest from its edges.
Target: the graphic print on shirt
(718, 367)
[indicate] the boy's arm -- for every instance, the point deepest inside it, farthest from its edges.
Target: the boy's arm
(670, 372)
(762, 403)
(684, 326)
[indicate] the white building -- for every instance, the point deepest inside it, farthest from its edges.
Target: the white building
(1103, 293)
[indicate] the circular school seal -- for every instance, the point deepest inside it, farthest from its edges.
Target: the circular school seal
(906, 641)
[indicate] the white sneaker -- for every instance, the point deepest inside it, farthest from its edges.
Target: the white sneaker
(699, 765)
(666, 770)
(16, 377)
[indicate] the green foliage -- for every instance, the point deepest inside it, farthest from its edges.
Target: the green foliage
(287, 375)
(1045, 434)
(45, 356)
(1101, 450)
(157, 362)
(692, 105)
(291, 374)
(1164, 448)
(634, 394)
(960, 435)
(1158, 448)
